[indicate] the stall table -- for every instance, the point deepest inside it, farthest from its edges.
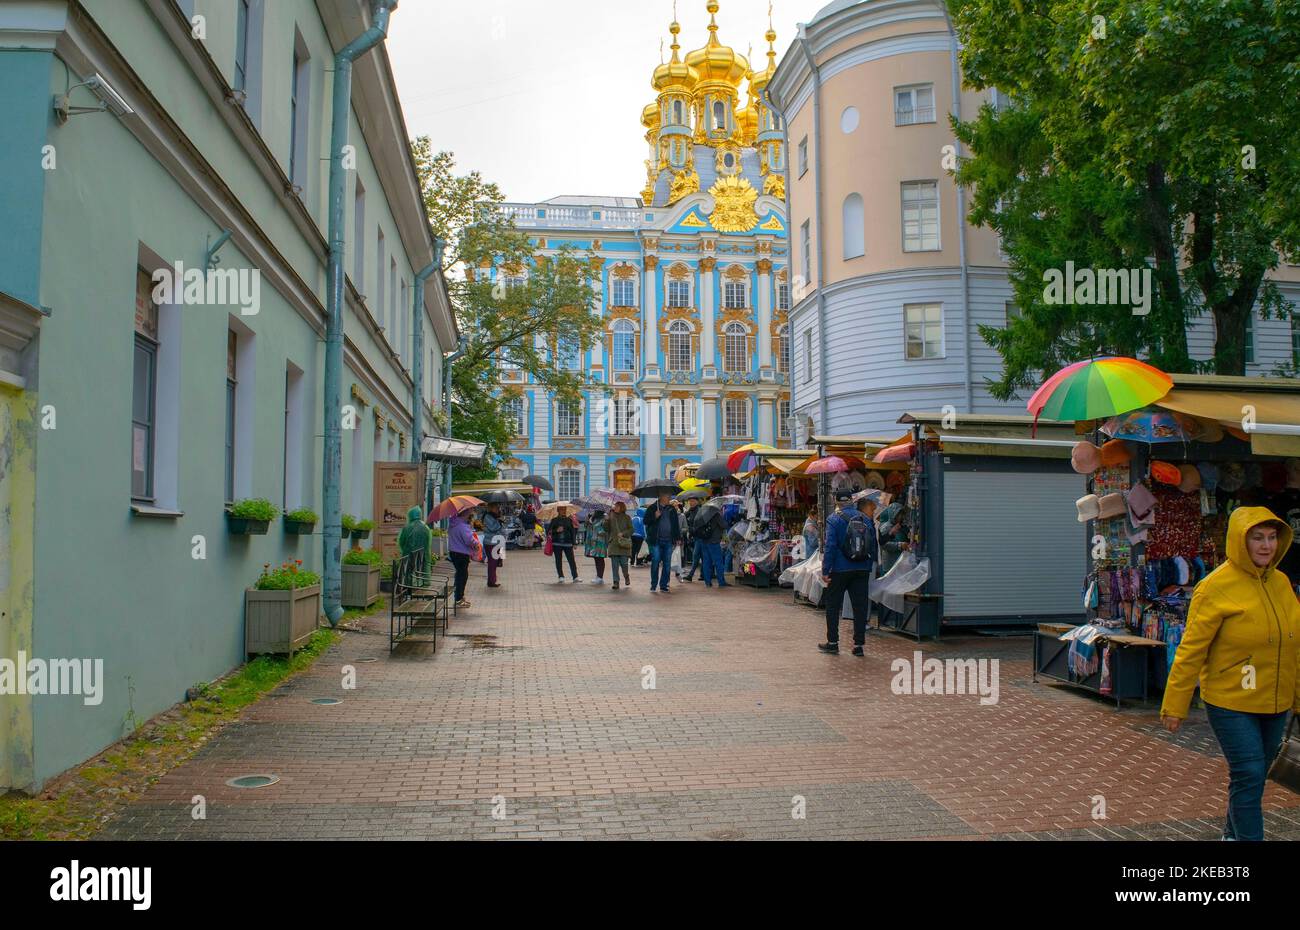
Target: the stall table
(1129, 668)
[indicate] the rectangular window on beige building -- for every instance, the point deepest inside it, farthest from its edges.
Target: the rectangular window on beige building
(921, 216)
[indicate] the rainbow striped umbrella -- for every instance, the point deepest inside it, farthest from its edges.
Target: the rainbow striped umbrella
(1098, 388)
(454, 505)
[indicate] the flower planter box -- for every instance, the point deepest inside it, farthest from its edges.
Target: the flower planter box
(296, 528)
(386, 585)
(360, 585)
(360, 534)
(242, 526)
(280, 621)
(439, 546)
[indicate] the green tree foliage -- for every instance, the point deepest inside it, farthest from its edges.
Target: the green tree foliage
(1155, 132)
(535, 313)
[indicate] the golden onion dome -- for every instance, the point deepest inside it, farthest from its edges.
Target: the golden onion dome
(717, 62)
(650, 117)
(758, 82)
(676, 74)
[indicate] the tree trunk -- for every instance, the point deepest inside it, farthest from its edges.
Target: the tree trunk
(1169, 326)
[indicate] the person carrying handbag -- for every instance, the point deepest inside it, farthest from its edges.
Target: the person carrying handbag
(1242, 644)
(619, 527)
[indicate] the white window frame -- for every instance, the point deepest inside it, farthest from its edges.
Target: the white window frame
(805, 251)
(783, 349)
(727, 420)
(733, 333)
(521, 418)
(914, 114)
(923, 327)
(615, 284)
(853, 215)
(622, 329)
(803, 156)
(807, 355)
(735, 294)
(678, 293)
(563, 477)
(680, 330)
(681, 417)
(567, 415)
(783, 416)
(917, 205)
(783, 296)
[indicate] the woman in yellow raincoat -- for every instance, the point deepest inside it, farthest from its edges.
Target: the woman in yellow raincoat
(1242, 645)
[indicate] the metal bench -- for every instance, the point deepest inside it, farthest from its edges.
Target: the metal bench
(420, 595)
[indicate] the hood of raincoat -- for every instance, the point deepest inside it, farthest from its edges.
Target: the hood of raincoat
(1242, 521)
(414, 515)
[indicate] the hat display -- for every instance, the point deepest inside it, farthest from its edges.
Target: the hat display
(1274, 477)
(1191, 478)
(1209, 475)
(1232, 477)
(1293, 473)
(1110, 507)
(1085, 458)
(1141, 506)
(1166, 473)
(874, 481)
(1089, 506)
(895, 482)
(1115, 452)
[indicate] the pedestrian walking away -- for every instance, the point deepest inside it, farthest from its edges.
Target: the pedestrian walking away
(528, 523)
(596, 543)
(638, 534)
(693, 542)
(460, 546)
(619, 529)
(848, 561)
(494, 543)
(563, 533)
(1241, 645)
(663, 531)
(710, 529)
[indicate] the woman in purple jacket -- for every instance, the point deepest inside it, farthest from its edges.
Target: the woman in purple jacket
(461, 544)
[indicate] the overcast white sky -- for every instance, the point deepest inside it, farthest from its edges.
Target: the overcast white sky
(545, 96)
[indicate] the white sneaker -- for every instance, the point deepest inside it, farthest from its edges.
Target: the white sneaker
(577, 581)
(599, 581)
(559, 581)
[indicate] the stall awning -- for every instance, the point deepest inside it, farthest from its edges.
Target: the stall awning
(787, 460)
(1275, 415)
(453, 451)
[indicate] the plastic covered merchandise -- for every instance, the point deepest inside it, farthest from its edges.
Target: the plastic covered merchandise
(806, 578)
(907, 575)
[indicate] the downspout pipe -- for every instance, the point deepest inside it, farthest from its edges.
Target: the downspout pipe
(823, 380)
(417, 351)
(447, 365)
(332, 479)
(961, 214)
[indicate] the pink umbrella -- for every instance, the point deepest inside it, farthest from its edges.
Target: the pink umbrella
(827, 466)
(901, 453)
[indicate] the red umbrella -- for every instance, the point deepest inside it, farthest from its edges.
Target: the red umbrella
(827, 466)
(903, 453)
(454, 505)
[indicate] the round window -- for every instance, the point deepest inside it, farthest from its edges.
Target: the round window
(729, 160)
(849, 120)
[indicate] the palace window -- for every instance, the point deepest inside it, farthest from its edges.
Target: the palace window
(719, 115)
(783, 349)
(735, 357)
(569, 484)
(568, 420)
(924, 330)
(679, 292)
(734, 294)
(514, 412)
(921, 216)
(783, 296)
(783, 419)
(735, 424)
(681, 418)
(623, 346)
(679, 347)
(625, 415)
(623, 292)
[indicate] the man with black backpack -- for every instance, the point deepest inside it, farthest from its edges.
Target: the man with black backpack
(848, 563)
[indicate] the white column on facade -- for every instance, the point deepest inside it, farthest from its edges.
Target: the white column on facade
(765, 314)
(652, 435)
(706, 309)
(709, 425)
(766, 420)
(650, 312)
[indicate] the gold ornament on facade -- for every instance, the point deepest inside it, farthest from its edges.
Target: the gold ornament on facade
(720, 161)
(672, 314)
(685, 182)
(679, 271)
(733, 205)
(729, 316)
(624, 271)
(708, 263)
(764, 266)
(651, 262)
(774, 186)
(736, 273)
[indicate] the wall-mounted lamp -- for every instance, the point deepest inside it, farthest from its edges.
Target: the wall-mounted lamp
(111, 99)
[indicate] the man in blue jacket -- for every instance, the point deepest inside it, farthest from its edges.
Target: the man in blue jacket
(848, 562)
(663, 530)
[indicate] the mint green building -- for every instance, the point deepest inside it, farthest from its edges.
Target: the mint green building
(152, 140)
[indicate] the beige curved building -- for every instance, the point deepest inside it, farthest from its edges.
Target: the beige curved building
(894, 285)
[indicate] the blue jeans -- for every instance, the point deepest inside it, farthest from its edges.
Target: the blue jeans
(661, 564)
(1250, 743)
(713, 565)
(697, 558)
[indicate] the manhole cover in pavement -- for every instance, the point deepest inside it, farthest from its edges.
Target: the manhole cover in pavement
(326, 702)
(253, 781)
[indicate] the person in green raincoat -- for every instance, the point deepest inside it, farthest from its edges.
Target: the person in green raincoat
(415, 538)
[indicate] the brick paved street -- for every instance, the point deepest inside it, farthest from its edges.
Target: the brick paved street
(536, 700)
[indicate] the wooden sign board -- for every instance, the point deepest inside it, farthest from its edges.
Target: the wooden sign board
(399, 486)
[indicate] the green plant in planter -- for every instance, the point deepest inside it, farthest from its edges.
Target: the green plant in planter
(302, 515)
(258, 509)
(349, 523)
(364, 557)
(288, 576)
(363, 526)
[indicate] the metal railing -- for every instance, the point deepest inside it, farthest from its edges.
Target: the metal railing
(540, 215)
(914, 115)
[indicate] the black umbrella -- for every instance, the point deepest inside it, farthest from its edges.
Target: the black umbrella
(537, 481)
(714, 470)
(697, 495)
(655, 487)
(501, 497)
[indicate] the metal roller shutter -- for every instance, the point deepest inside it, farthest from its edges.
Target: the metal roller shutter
(1012, 544)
